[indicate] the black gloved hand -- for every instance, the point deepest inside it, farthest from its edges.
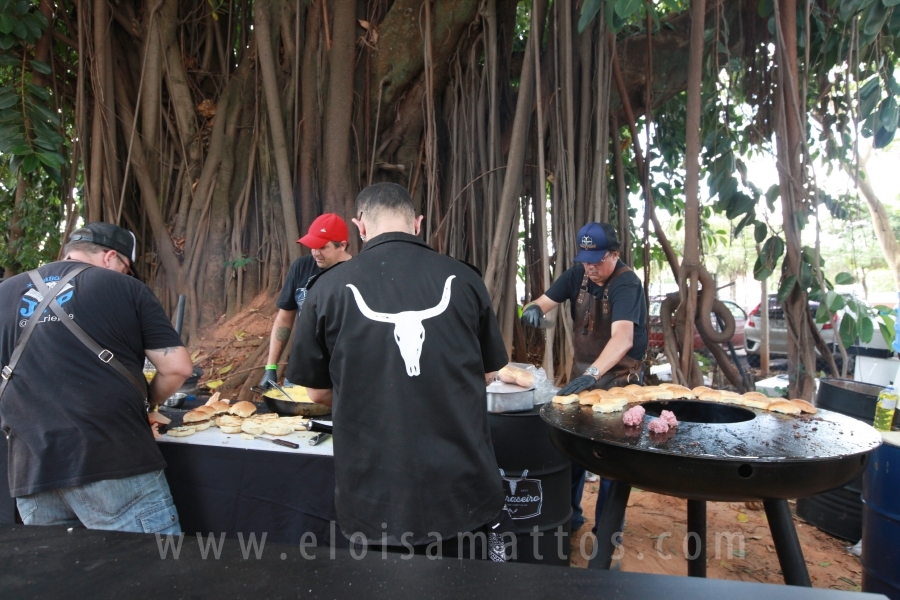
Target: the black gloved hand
(579, 384)
(269, 375)
(533, 315)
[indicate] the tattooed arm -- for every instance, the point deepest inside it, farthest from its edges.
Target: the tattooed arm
(173, 366)
(281, 332)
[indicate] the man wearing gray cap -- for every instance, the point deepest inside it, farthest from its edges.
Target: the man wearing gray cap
(73, 338)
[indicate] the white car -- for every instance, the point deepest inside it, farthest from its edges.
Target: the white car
(778, 345)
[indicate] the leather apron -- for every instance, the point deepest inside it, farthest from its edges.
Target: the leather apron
(592, 331)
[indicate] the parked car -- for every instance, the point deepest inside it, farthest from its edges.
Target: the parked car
(656, 333)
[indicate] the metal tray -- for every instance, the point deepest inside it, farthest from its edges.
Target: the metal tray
(506, 397)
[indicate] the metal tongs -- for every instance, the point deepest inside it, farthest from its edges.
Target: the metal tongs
(275, 385)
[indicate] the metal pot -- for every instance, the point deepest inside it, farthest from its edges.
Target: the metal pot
(290, 408)
(175, 400)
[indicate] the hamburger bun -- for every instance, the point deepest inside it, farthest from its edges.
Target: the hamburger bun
(709, 395)
(229, 423)
(755, 401)
(242, 409)
(680, 391)
(209, 410)
(197, 419)
(525, 379)
(252, 428)
(784, 406)
(219, 407)
(277, 428)
(729, 394)
(610, 405)
(616, 390)
(631, 387)
(506, 374)
(759, 395)
(570, 399)
(263, 418)
(589, 399)
(180, 431)
(804, 406)
(214, 398)
(655, 393)
(700, 389)
(631, 398)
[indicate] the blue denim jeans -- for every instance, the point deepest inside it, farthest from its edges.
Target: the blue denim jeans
(141, 504)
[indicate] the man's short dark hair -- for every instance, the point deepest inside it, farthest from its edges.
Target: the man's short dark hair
(86, 247)
(385, 197)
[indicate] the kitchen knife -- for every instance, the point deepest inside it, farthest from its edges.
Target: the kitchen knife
(284, 443)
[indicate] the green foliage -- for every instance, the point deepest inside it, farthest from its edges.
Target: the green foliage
(32, 144)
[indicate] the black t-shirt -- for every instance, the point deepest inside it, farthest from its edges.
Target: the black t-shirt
(70, 418)
(294, 291)
(626, 299)
(404, 336)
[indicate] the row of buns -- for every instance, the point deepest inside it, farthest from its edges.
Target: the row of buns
(615, 399)
(236, 418)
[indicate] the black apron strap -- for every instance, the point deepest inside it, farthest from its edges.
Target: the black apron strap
(140, 385)
(48, 297)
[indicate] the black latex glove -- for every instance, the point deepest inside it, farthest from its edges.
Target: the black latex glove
(533, 315)
(269, 375)
(579, 384)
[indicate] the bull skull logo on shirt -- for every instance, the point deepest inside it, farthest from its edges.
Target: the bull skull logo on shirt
(408, 330)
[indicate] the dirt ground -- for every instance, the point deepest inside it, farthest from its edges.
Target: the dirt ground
(648, 550)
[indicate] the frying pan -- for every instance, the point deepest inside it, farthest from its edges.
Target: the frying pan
(277, 404)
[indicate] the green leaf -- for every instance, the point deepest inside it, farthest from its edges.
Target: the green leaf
(887, 329)
(806, 277)
(883, 310)
(38, 91)
(787, 286)
(760, 271)
(588, 11)
(868, 102)
(882, 138)
(41, 67)
(727, 188)
(6, 24)
(866, 329)
(8, 101)
(848, 9)
(759, 233)
(834, 301)
(843, 278)
(30, 163)
(822, 314)
(6, 41)
(889, 3)
(888, 113)
(51, 159)
(848, 329)
(625, 8)
(765, 8)
(875, 18)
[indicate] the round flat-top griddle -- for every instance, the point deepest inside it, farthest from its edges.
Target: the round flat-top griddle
(719, 452)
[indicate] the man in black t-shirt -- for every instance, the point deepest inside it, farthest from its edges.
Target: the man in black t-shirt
(327, 238)
(398, 342)
(609, 316)
(81, 450)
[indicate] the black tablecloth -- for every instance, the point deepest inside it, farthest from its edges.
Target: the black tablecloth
(38, 562)
(235, 491)
(232, 490)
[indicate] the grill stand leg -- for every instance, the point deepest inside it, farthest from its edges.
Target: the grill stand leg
(610, 524)
(696, 555)
(787, 545)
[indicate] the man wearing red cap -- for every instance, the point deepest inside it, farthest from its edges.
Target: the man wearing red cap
(327, 238)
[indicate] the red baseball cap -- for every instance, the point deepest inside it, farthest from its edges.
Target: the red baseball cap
(326, 228)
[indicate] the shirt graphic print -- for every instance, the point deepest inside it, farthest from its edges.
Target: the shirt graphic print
(409, 333)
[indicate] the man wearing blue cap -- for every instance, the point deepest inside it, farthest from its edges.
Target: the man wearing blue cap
(610, 324)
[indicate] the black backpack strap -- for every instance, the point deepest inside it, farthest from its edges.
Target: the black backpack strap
(48, 296)
(140, 384)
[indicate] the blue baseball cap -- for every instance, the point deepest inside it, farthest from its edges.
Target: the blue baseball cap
(595, 240)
